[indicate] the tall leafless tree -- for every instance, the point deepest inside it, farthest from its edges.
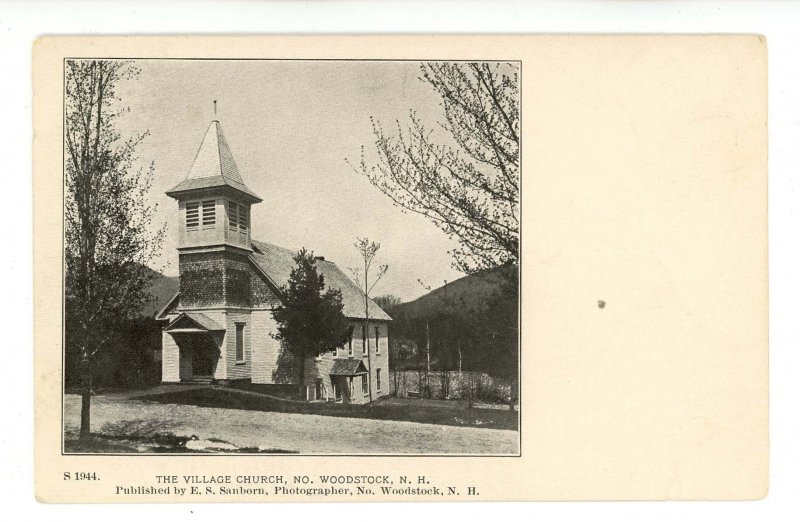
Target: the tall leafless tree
(467, 180)
(367, 250)
(110, 236)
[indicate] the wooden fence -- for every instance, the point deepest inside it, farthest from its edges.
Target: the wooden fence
(450, 384)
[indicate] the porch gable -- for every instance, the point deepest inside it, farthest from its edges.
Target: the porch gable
(193, 322)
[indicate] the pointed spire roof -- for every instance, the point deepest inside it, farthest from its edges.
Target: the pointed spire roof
(213, 166)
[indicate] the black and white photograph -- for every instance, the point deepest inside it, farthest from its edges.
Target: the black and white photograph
(269, 256)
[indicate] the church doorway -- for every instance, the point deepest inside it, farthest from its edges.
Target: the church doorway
(204, 356)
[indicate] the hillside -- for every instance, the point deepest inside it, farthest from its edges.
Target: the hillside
(162, 288)
(467, 293)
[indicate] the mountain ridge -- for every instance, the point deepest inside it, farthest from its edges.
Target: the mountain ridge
(162, 288)
(464, 295)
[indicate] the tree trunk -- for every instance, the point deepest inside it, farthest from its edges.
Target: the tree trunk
(428, 363)
(369, 357)
(471, 381)
(301, 387)
(512, 399)
(86, 398)
(428, 345)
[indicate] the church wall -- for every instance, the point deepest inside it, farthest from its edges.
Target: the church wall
(238, 369)
(170, 359)
(270, 363)
(379, 358)
(319, 368)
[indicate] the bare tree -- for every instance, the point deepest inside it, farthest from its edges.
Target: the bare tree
(109, 232)
(469, 188)
(368, 249)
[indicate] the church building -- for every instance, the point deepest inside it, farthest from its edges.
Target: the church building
(219, 327)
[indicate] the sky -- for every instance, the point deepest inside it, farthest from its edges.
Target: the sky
(290, 126)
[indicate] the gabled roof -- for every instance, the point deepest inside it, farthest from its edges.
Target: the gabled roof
(193, 322)
(169, 308)
(348, 367)
(213, 166)
(277, 264)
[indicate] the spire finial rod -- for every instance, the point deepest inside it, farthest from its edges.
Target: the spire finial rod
(215, 109)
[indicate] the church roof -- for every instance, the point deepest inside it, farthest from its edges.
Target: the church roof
(213, 166)
(277, 264)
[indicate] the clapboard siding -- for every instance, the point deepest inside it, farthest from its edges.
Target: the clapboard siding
(380, 359)
(266, 350)
(238, 370)
(318, 369)
(170, 359)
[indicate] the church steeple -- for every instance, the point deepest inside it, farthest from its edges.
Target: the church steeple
(213, 166)
(214, 201)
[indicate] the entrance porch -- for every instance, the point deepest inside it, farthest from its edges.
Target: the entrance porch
(192, 350)
(348, 381)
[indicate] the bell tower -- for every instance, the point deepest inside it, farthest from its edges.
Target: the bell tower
(213, 200)
(214, 227)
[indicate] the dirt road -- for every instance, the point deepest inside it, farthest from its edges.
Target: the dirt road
(119, 414)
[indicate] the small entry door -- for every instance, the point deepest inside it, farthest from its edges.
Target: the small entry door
(202, 363)
(203, 357)
(318, 390)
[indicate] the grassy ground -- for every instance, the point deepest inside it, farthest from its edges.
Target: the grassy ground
(449, 413)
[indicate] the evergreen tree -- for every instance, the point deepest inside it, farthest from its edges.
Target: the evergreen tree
(310, 319)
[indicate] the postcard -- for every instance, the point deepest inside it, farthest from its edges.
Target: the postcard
(400, 268)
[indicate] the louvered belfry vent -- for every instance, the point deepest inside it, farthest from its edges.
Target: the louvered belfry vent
(192, 215)
(209, 213)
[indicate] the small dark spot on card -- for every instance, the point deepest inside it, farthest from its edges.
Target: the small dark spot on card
(601, 304)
